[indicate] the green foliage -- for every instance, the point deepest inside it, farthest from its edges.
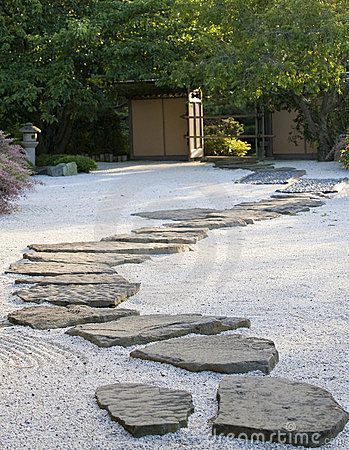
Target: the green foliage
(285, 53)
(344, 159)
(62, 60)
(106, 134)
(224, 146)
(221, 138)
(84, 163)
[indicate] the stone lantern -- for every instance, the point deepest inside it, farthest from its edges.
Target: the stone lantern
(29, 142)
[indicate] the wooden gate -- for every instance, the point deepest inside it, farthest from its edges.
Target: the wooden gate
(195, 125)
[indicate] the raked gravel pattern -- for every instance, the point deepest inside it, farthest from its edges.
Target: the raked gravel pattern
(271, 177)
(287, 275)
(324, 186)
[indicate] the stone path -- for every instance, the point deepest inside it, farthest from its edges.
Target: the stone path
(111, 259)
(224, 354)
(277, 410)
(104, 278)
(145, 410)
(272, 177)
(154, 327)
(56, 268)
(97, 295)
(316, 185)
(47, 317)
(79, 278)
(111, 247)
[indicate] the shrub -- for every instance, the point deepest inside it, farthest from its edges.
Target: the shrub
(222, 146)
(222, 138)
(84, 163)
(14, 173)
(344, 158)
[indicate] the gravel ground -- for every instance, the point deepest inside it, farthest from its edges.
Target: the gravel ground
(289, 276)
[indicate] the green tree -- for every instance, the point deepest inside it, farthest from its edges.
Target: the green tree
(48, 58)
(286, 53)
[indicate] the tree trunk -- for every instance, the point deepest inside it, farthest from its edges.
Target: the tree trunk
(55, 136)
(316, 120)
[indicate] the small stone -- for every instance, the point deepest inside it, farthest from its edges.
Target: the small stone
(48, 317)
(155, 327)
(75, 279)
(62, 170)
(277, 410)
(55, 268)
(146, 410)
(71, 169)
(96, 295)
(224, 354)
(111, 247)
(111, 259)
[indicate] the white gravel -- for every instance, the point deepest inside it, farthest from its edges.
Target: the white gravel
(289, 276)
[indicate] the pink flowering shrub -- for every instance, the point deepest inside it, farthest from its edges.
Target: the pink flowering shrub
(14, 173)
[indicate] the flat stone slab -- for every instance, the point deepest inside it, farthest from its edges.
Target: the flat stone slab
(176, 214)
(199, 233)
(282, 205)
(95, 295)
(277, 410)
(325, 186)
(56, 268)
(155, 327)
(272, 177)
(146, 410)
(224, 354)
(213, 223)
(178, 238)
(248, 216)
(111, 259)
(75, 279)
(198, 218)
(111, 247)
(46, 317)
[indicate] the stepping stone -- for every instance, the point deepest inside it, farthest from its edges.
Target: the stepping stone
(111, 247)
(272, 177)
(146, 410)
(325, 186)
(48, 317)
(96, 295)
(277, 410)
(75, 279)
(55, 268)
(112, 259)
(199, 233)
(176, 214)
(249, 216)
(224, 354)
(282, 206)
(179, 238)
(155, 327)
(214, 223)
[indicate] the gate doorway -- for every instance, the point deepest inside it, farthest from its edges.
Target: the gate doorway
(167, 126)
